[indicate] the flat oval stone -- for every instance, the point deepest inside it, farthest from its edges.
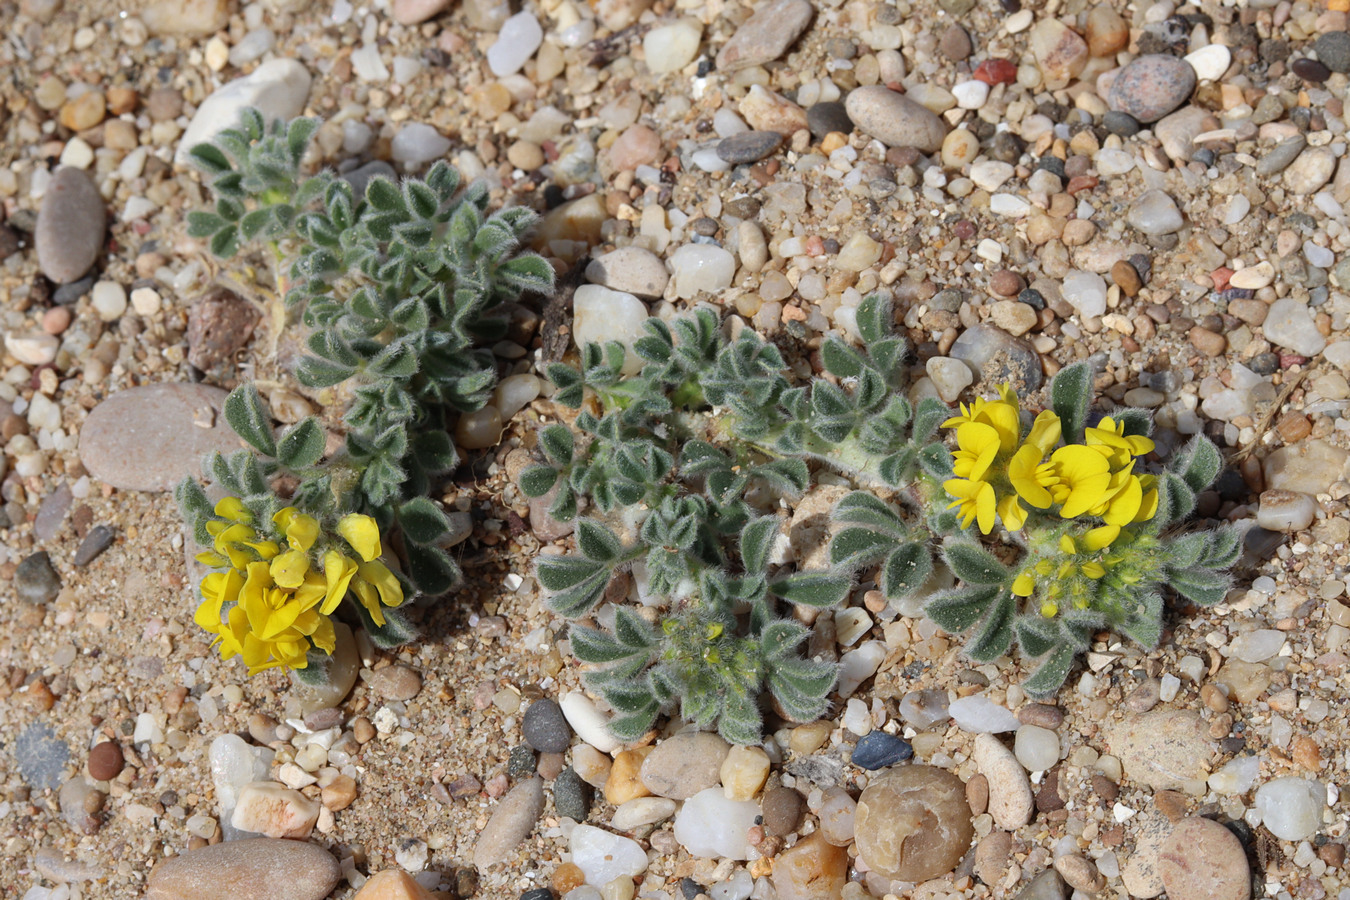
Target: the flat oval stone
(877, 750)
(1151, 86)
(151, 437)
(71, 226)
(545, 728)
(749, 146)
(251, 869)
(766, 35)
(913, 823)
(1202, 860)
(894, 119)
(684, 765)
(1164, 749)
(511, 822)
(1010, 799)
(830, 115)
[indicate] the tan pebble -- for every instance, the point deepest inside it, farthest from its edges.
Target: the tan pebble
(1172, 804)
(525, 155)
(1126, 276)
(625, 782)
(1306, 753)
(567, 877)
(363, 730)
(1013, 317)
(1078, 232)
(1207, 342)
(806, 739)
(56, 320)
(1079, 873)
(977, 793)
(122, 100)
(959, 148)
(766, 111)
(392, 884)
(744, 772)
(339, 793)
(119, 134)
(832, 142)
(811, 869)
(1214, 698)
(85, 111)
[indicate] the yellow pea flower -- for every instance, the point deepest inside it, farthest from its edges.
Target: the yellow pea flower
(1067, 545)
(301, 530)
(1101, 537)
(1001, 415)
(1148, 506)
(1030, 477)
(362, 534)
(1084, 479)
(290, 568)
(1049, 609)
(1012, 513)
(233, 508)
(1109, 439)
(976, 501)
(338, 572)
(1045, 432)
(376, 587)
(977, 445)
(1093, 569)
(218, 588)
(1024, 585)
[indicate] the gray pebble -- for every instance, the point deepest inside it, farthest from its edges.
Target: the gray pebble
(684, 765)
(766, 35)
(1122, 124)
(823, 118)
(894, 119)
(71, 226)
(511, 822)
(1281, 155)
(52, 513)
(748, 146)
(35, 581)
(41, 756)
(571, 795)
(1151, 86)
(521, 762)
(99, 538)
(70, 294)
(1333, 49)
(250, 869)
(1045, 886)
(545, 728)
(997, 357)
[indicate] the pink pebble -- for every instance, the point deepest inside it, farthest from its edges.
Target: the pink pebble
(56, 320)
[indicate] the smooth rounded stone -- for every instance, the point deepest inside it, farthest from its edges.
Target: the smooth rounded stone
(71, 225)
(511, 822)
(1154, 212)
(1210, 62)
(545, 728)
(571, 795)
(1013, 317)
(54, 866)
(766, 35)
(36, 580)
(924, 709)
(970, 94)
(669, 48)
(744, 772)
(603, 857)
(1151, 86)
(1310, 466)
(1059, 51)
(393, 884)
(700, 268)
(1310, 171)
(1285, 511)
(1281, 155)
(711, 826)
(1177, 132)
(632, 270)
(600, 315)
(913, 823)
(1289, 324)
(1106, 31)
(812, 869)
(105, 761)
(828, 117)
(836, 813)
(479, 429)
(590, 724)
(343, 668)
(1237, 776)
(1333, 49)
(274, 811)
(1010, 799)
(684, 765)
(1085, 292)
(1163, 749)
(150, 437)
(997, 357)
(250, 869)
(1202, 860)
(194, 18)
(512, 394)
(1291, 807)
(991, 856)
(639, 811)
(977, 714)
(1036, 748)
(783, 809)
(877, 750)
(414, 12)
(278, 89)
(418, 142)
(949, 376)
(80, 801)
(748, 146)
(396, 682)
(894, 119)
(519, 38)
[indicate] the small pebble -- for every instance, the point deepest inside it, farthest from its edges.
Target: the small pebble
(1151, 86)
(105, 761)
(748, 146)
(877, 750)
(545, 728)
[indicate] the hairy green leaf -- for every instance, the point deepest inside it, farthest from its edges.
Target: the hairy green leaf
(1051, 673)
(906, 571)
(422, 521)
(1198, 463)
(1070, 397)
(302, 446)
(973, 564)
(245, 413)
(818, 589)
(958, 609)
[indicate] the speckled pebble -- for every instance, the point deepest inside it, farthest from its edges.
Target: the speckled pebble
(1151, 86)
(894, 119)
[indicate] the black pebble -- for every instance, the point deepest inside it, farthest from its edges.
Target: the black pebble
(823, 118)
(1119, 123)
(545, 728)
(877, 750)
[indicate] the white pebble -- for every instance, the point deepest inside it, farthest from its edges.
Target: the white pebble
(1210, 62)
(590, 724)
(1036, 748)
(977, 714)
(146, 301)
(711, 826)
(1235, 210)
(367, 65)
(700, 268)
(1257, 646)
(513, 393)
(971, 94)
(1291, 807)
(669, 48)
(856, 666)
(1009, 205)
(109, 299)
(602, 856)
(519, 38)
(1168, 687)
(1318, 255)
(417, 142)
(1085, 292)
(601, 315)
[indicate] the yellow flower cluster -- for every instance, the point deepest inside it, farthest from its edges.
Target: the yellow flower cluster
(997, 471)
(279, 603)
(1054, 576)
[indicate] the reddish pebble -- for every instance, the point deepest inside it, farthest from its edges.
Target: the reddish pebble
(1292, 359)
(1006, 283)
(964, 229)
(1220, 277)
(1081, 183)
(56, 320)
(996, 71)
(105, 761)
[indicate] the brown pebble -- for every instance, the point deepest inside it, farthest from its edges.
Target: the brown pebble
(1105, 788)
(550, 765)
(1048, 798)
(1042, 715)
(362, 730)
(339, 793)
(1306, 753)
(121, 100)
(85, 111)
(1332, 854)
(164, 103)
(977, 793)
(1207, 342)
(1006, 283)
(1293, 427)
(782, 811)
(567, 877)
(105, 761)
(1171, 804)
(56, 320)
(1126, 276)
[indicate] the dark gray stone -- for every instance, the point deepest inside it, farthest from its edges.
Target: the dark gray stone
(70, 294)
(71, 226)
(748, 146)
(545, 728)
(571, 795)
(823, 118)
(521, 762)
(877, 750)
(1333, 49)
(41, 756)
(35, 581)
(1045, 886)
(99, 538)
